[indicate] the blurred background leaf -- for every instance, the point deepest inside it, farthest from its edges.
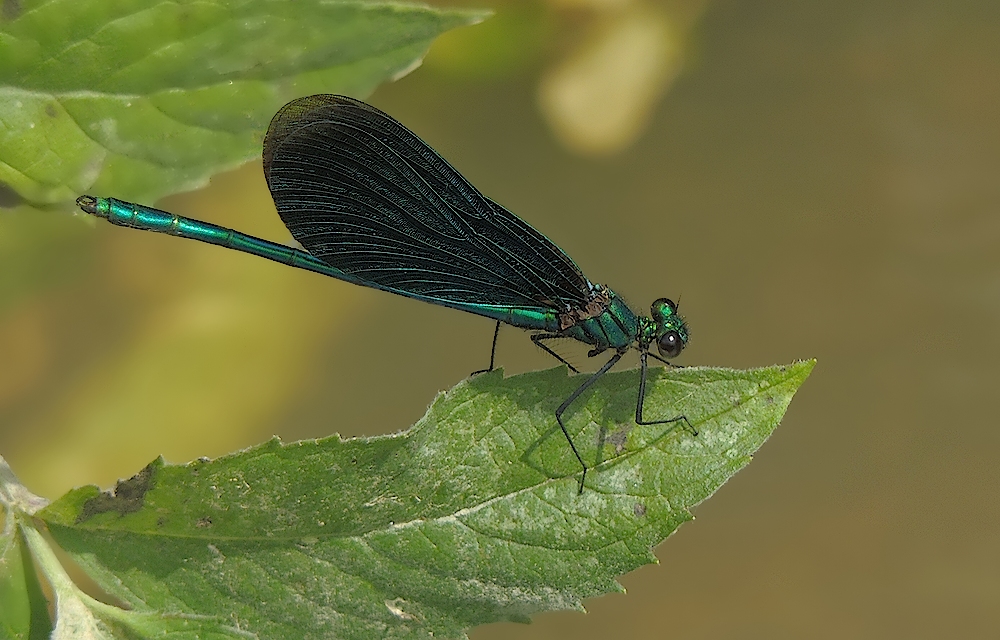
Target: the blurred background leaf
(145, 99)
(599, 98)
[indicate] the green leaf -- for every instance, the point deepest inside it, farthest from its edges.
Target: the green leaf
(472, 516)
(81, 617)
(141, 99)
(23, 611)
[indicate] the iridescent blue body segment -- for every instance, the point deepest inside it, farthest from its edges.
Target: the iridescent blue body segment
(374, 205)
(137, 216)
(617, 327)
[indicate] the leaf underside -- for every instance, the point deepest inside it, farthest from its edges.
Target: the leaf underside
(471, 516)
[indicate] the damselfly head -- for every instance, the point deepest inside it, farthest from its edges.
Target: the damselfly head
(671, 331)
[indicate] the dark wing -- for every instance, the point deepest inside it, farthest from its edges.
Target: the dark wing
(364, 194)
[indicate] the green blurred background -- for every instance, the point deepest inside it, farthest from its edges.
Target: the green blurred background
(812, 179)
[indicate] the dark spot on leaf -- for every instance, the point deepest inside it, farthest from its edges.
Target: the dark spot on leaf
(204, 523)
(639, 510)
(8, 197)
(770, 399)
(619, 438)
(195, 466)
(161, 521)
(50, 111)
(128, 497)
(11, 9)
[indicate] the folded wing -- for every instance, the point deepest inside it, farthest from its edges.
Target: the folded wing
(364, 194)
